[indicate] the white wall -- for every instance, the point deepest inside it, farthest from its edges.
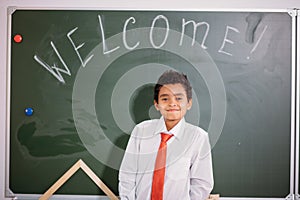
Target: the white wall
(100, 4)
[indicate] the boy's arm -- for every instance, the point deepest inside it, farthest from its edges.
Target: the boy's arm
(201, 179)
(128, 169)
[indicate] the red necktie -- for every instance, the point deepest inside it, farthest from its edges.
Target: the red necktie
(159, 170)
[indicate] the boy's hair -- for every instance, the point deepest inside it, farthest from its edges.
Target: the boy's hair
(173, 77)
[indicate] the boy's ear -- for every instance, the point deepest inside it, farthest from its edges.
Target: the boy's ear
(189, 104)
(156, 105)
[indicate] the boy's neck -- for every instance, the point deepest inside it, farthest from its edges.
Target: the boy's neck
(170, 124)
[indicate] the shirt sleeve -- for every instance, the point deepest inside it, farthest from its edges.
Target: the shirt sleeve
(128, 169)
(201, 179)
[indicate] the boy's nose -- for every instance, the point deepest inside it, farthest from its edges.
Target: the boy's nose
(173, 102)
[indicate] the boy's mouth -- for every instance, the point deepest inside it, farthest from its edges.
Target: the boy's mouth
(173, 110)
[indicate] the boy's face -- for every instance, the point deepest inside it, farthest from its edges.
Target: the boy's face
(172, 102)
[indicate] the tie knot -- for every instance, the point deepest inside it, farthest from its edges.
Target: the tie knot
(165, 137)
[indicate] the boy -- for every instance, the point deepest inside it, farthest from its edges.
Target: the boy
(167, 158)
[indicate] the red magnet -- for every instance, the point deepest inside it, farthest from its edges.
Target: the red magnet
(18, 38)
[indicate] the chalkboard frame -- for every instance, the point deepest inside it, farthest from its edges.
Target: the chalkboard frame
(297, 115)
(294, 162)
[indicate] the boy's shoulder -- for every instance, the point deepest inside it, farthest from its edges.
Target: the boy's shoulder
(146, 127)
(195, 129)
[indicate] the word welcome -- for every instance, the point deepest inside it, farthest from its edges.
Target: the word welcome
(58, 72)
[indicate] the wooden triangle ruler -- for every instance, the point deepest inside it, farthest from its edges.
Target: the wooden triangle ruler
(78, 165)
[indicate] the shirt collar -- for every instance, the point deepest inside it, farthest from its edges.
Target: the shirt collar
(176, 130)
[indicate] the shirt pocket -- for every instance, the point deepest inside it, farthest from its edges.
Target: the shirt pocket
(178, 170)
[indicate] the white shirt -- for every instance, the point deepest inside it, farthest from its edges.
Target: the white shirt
(188, 172)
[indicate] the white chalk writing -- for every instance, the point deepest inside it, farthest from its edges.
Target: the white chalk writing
(152, 28)
(256, 44)
(124, 34)
(105, 51)
(196, 25)
(76, 48)
(54, 70)
(226, 40)
(157, 38)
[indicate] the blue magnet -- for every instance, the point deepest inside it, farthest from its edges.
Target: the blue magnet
(28, 111)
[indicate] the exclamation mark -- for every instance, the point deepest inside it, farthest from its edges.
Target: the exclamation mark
(257, 42)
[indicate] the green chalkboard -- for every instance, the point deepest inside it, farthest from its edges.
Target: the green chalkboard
(88, 75)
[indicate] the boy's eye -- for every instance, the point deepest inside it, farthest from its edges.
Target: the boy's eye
(164, 99)
(178, 98)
